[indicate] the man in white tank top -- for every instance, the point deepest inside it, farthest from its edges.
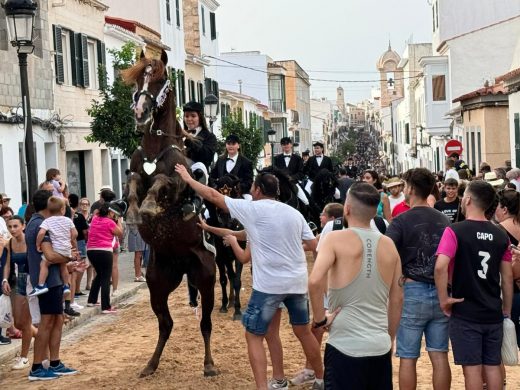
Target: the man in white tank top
(363, 270)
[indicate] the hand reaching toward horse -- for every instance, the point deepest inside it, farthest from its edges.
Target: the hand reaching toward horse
(183, 172)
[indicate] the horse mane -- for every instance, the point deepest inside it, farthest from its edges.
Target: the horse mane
(132, 74)
(284, 181)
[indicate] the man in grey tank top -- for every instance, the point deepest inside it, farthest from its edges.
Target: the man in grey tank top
(362, 268)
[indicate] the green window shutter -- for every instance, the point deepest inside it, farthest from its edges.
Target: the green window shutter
(74, 72)
(84, 60)
(58, 57)
(213, 25)
(181, 82)
(77, 60)
(208, 85)
(102, 64)
(200, 87)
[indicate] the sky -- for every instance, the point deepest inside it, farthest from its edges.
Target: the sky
(337, 40)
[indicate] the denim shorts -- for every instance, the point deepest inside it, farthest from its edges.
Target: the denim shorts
(82, 248)
(21, 284)
(421, 314)
(262, 307)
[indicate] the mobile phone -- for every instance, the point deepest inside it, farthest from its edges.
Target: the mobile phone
(512, 246)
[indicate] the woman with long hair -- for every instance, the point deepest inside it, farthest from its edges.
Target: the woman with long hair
(84, 210)
(383, 209)
(507, 214)
(105, 226)
(14, 284)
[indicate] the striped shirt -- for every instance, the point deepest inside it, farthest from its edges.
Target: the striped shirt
(59, 229)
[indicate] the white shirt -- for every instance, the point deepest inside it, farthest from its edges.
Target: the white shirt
(329, 226)
(3, 229)
(287, 158)
(516, 183)
(230, 164)
(275, 232)
(451, 174)
(319, 159)
(395, 201)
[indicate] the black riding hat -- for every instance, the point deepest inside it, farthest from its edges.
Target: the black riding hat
(285, 141)
(193, 107)
(232, 139)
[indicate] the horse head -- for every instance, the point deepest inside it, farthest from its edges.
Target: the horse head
(228, 185)
(323, 187)
(288, 191)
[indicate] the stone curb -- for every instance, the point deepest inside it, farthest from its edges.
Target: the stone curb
(9, 352)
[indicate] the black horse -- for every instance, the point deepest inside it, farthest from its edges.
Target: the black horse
(228, 266)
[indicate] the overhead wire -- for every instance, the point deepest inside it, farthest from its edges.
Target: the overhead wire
(311, 78)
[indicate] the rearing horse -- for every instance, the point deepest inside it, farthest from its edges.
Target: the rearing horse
(155, 196)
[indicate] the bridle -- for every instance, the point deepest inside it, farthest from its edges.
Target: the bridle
(157, 101)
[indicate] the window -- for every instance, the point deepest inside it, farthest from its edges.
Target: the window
(390, 80)
(92, 64)
(276, 94)
(168, 16)
(203, 16)
(407, 133)
(439, 88)
(67, 62)
(177, 13)
(213, 25)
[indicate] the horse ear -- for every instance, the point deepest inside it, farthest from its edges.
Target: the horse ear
(142, 56)
(164, 57)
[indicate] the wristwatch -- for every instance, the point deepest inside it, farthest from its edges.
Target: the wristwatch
(316, 325)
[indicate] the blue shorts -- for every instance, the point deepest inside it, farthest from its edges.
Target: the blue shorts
(421, 314)
(82, 249)
(262, 307)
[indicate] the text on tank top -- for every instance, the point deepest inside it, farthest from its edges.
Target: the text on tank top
(361, 327)
(476, 273)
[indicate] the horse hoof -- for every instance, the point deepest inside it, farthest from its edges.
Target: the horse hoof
(237, 317)
(147, 372)
(210, 370)
(223, 309)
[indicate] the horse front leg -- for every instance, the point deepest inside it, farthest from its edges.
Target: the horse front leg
(231, 277)
(160, 284)
(132, 215)
(150, 205)
(237, 286)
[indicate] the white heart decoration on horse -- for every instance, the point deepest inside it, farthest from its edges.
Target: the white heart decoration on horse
(149, 167)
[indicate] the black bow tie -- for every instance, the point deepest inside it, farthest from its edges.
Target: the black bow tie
(229, 159)
(193, 131)
(286, 156)
(319, 156)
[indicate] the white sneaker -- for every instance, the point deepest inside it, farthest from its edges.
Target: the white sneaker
(140, 279)
(304, 376)
(275, 384)
(21, 363)
(115, 293)
(76, 306)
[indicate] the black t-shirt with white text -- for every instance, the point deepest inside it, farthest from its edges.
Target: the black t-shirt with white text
(450, 209)
(481, 247)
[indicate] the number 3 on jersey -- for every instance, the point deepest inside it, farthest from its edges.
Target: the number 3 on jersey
(485, 258)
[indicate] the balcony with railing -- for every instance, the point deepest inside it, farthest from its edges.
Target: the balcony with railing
(277, 105)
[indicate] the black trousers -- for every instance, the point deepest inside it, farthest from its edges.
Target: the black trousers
(102, 263)
(344, 372)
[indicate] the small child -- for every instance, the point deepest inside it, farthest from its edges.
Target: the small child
(62, 234)
(53, 176)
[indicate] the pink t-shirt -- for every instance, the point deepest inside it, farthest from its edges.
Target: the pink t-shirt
(448, 247)
(100, 234)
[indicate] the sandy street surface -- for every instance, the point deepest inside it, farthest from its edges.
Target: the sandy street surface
(110, 351)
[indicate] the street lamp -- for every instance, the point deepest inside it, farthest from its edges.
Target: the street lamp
(210, 108)
(20, 24)
(271, 135)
